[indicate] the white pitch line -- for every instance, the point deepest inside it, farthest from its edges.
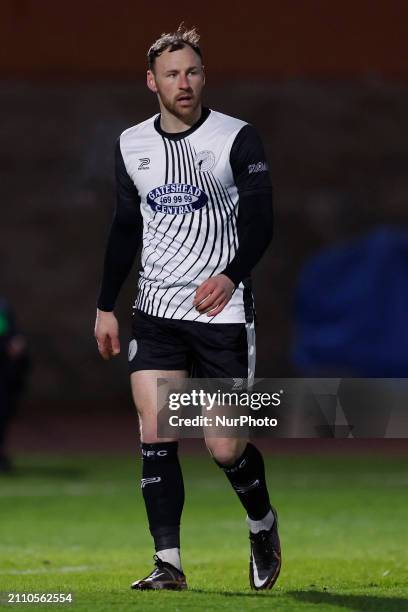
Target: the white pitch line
(77, 490)
(58, 570)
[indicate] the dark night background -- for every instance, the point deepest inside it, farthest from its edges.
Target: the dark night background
(326, 84)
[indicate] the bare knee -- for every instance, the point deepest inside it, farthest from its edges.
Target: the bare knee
(148, 428)
(226, 450)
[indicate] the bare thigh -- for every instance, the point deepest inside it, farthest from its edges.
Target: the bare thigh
(144, 392)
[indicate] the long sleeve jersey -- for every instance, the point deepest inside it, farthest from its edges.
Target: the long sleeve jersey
(198, 203)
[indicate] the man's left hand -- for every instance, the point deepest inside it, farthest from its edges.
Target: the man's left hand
(213, 295)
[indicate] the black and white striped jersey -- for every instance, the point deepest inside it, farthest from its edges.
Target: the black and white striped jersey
(188, 187)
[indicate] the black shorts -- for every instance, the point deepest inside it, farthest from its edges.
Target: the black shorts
(205, 350)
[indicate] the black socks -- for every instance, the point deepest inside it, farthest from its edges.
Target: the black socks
(247, 477)
(163, 492)
(163, 489)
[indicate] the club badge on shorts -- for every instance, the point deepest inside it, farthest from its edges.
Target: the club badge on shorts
(132, 349)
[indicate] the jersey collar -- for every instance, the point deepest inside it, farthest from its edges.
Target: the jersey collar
(205, 112)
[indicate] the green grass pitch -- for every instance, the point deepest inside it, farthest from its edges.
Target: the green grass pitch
(77, 524)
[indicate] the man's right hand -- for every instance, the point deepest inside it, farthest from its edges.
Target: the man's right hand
(107, 334)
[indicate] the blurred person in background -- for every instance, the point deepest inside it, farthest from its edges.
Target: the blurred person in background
(14, 366)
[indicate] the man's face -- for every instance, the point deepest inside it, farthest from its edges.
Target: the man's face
(178, 80)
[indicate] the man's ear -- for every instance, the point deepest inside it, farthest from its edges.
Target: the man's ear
(151, 81)
(202, 67)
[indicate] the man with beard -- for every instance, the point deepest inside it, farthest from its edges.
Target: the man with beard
(193, 189)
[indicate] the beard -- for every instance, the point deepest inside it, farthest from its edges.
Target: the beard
(174, 107)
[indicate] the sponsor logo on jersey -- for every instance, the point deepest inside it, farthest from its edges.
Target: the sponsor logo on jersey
(144, 163)
(259, 167)
(176, 199)
(204, 161)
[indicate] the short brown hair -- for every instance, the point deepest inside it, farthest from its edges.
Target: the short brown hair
(174, 41)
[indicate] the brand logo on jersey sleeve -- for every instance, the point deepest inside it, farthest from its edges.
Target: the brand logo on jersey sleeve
(259, 167)
(176, 199)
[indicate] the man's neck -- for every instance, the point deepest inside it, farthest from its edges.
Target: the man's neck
(172, 124)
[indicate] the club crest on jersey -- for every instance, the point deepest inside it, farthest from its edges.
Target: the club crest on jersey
(204, 161)
(176, 199)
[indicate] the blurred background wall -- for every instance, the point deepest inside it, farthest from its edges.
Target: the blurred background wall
(296, 38)
(326, 85)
